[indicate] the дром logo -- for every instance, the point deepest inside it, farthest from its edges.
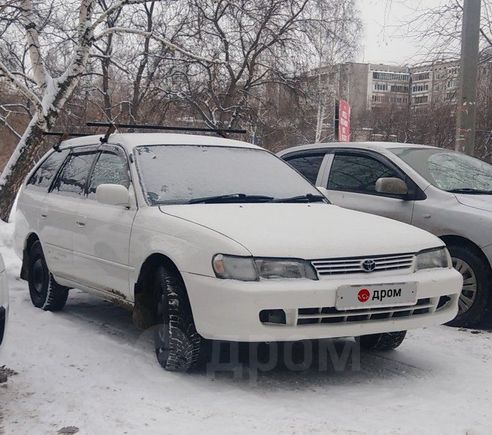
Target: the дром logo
(364, 295)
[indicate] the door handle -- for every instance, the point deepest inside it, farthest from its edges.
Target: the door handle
(80, 224)
(44, 215)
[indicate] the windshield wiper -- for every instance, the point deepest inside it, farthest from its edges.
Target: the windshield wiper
(471, 191)
(302, 198)
(230, 198)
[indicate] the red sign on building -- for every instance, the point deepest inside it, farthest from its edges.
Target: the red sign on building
(344, 121)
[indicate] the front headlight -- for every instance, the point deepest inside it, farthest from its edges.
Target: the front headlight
(271, 268)
(252, 269)
(433, 258)
(231, 267)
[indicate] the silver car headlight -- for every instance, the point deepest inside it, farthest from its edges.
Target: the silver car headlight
(252, 269)
(432, 258)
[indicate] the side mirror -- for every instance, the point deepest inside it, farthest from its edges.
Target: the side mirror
(113, 194)
(392, 186)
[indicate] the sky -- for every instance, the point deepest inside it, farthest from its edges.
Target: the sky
(382, 41)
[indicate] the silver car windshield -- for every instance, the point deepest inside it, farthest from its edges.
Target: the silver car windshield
(188, 174)
(449, 170)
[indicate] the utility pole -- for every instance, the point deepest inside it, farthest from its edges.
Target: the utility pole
(467, 98)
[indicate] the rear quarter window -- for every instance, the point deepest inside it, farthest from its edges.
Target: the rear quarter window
(44, 175)
(307, 165)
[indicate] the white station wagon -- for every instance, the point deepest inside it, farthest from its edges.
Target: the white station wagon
(215, 239)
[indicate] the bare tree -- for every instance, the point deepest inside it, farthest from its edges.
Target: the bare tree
(264, 45)
(437, 29)
(58, 39)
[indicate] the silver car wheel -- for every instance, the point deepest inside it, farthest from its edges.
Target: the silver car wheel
(470, 285)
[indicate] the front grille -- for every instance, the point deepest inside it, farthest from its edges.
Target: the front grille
(339, 266)
(310, 316)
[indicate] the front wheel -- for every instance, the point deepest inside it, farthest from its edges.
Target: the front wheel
(476, 286)
(178, 345)
(382, 342)
(45, 292)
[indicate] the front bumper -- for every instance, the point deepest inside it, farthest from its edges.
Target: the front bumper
(230, 310)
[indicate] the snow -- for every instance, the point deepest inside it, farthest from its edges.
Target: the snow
(89, 367)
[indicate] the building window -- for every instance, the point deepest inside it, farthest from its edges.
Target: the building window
(421, 100)
(420, 88)
(383, 87)
(399, 88)
(451, 83)
(380, 75)
(422, 76)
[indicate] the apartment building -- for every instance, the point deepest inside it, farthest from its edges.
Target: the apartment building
(372, 87)
(436, 82)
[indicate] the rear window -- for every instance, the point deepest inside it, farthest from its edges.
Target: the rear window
(44, 175)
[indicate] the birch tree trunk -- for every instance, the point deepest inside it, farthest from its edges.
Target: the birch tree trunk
(55, 93)
(19, 165)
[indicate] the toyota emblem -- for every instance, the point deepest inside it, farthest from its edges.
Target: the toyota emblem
(369, 265)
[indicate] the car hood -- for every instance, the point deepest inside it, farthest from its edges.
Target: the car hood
(306, 231)
(481, 202)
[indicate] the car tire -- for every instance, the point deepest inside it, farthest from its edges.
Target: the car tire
(45, 292)
(475, 295)
(178, 345)
(382, 342)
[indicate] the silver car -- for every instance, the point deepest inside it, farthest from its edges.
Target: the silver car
(442, 191)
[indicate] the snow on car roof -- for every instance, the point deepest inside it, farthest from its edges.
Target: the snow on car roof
(132, 140)
(364, 145)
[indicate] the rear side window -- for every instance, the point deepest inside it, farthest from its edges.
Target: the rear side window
(45, 174)
(307, 166)
(357, 173)
(110, 168)
(73, 177)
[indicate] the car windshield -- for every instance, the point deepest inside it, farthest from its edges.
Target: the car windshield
(188, 174)
(449, 170)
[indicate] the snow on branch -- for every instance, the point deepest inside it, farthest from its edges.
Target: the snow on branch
(21, 87)
(115, 8)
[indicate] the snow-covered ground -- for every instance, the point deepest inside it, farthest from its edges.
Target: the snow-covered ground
(88, 367)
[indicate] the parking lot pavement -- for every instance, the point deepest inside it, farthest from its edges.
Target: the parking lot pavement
(88, 370)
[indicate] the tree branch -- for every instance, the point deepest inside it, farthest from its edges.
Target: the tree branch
(163, 41)
(24, 90)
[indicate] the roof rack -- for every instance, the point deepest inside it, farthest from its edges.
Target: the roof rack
(112, 127)
(63, 136)
(168, 128)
